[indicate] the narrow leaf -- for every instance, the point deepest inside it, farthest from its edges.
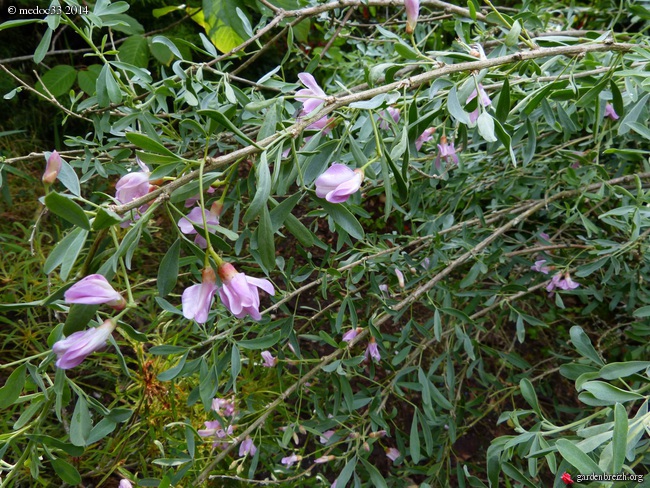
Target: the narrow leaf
(67, 209)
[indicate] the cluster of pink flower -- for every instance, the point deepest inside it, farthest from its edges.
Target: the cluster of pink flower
(339, 182)
(92, 290)
(372, 349)
(560, 280)
(238, 293)
(226, 409)
(391, 453)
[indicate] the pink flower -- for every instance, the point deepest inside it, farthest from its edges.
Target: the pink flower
(312, 96)
(610, 112)
(400, 278)
(239, 292)
(72, 350)
(213, 428)
(383, 288)
(384, 114)
(563, 282)
(247, 447)
(223, 407)
(483, 100)
(446, 151)
(338, 183)
(554, 282)
(94, 290)
(291, 460)
(539, 266)
(412, 13)
(424, 137)
(567, 283)
(545, 236)
(132, 186)
(351, 334)
(125, 484)
(195, 218)
(373, 351)
(197, 299)
(327, 435)
(392, 454)
(269, 360)
(53, 167)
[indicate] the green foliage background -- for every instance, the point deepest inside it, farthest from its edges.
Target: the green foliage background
(486, 379)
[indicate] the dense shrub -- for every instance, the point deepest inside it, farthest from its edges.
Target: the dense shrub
(307, 243)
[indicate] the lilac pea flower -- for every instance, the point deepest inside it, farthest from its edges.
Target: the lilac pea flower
(291, 460)
(446, 151)
(339, 182)
(327, 435)
(72, 350)
(400, 278)
(247, 447)
(392, 454)
(412, 14)
(539, 266)
(223, 407)
(125, 484)
(94, 290)
(484, 100)
(351, 334)
(567, 283)
(269, 360)
(239, 292)
(195, 217)
(373, 350)
(53, 167)
(197, 299)
(132, 186)
(610, 112)
(312, 96)
(545, 236)
(554, 283)
(426, 136)
(384, 290)
(385, 114)
(213, 428)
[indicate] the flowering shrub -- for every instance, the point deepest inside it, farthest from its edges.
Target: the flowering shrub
(445, 210)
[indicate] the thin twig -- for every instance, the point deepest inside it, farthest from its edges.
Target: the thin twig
(52, 100)
(337, 31)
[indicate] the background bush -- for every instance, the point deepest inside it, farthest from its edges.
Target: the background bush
(485, 377)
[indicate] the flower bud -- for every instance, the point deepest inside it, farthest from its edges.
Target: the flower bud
(52, 168)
